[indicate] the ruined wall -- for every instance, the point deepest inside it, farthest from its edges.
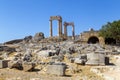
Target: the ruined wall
(86, 35)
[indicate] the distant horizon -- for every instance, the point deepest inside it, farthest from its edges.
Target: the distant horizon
(27, 17)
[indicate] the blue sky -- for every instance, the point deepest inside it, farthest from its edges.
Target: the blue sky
(20, 18)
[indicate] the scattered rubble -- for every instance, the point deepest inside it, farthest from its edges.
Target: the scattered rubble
(60, 58)
(38, 36)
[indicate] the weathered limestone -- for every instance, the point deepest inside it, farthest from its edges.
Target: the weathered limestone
(59, 18)
(117, 60)
(28, 66)
(15, 64)
(46, 53)
(56, 69)
(27, 39)
(91, 36)
(38, 36)
(95, 59)
(81, 59)
(7, 49)
(65, 29)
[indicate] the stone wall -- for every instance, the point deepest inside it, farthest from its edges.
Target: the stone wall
(86, 35)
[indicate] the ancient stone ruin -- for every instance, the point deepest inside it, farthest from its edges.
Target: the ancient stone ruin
(66, 24)
(91, 36)
(74, 59)
(60, 32)
(59, 18)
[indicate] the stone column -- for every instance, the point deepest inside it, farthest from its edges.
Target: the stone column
(65, 31)
(60, 24)
(73, 32)
(59, 28)
(51, 33)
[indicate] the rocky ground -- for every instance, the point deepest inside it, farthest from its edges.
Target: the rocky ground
(31, 57)
(13, 74)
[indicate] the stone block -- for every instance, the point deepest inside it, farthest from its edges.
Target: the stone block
(3, 63)
(79, 61)
(95, 59)
(56, 69)
(46, 53)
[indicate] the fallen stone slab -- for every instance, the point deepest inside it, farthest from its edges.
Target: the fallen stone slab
(56, 69)
(79, 61)
(28, 66)
(7, 49)
(46, 53)
(15, 64)
(95, 59)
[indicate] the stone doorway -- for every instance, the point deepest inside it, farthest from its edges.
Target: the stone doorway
(93, 40)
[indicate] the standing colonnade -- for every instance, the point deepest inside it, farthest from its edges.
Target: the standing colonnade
(66, 24)
(60, 34)
(59, 18)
